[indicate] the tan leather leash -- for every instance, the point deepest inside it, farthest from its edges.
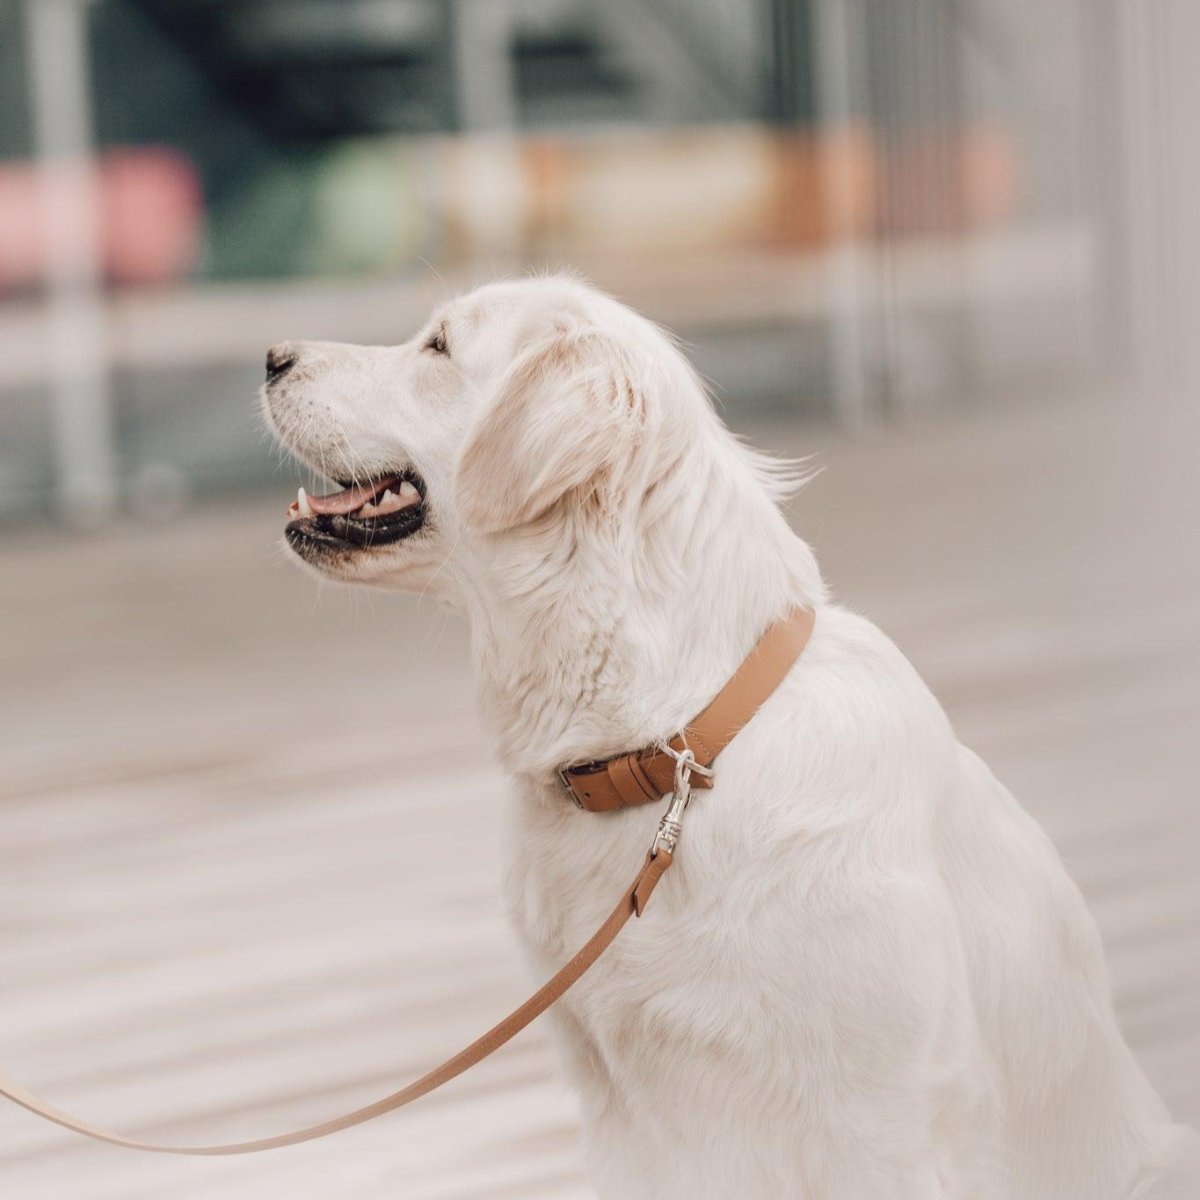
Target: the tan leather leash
(634, 900)
(735, 704)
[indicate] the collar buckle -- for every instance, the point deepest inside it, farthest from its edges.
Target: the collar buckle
(570, 790)
(564, 778)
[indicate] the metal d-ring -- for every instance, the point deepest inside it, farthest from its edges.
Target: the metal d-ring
(687, 753)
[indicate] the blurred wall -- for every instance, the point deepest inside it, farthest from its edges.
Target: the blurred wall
(852, 211)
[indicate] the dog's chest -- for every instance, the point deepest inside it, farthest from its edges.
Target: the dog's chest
(681, 984)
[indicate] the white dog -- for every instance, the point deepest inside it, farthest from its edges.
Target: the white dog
(868, 976)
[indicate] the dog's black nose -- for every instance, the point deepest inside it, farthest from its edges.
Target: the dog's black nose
(280, 360)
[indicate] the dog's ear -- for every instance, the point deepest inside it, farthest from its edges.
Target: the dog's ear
(566, 412)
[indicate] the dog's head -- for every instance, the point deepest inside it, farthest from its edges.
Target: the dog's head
(518, 406)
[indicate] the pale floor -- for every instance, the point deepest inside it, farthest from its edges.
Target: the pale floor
(248, 827)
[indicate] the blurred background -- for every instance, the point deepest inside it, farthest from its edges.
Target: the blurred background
(948, 246)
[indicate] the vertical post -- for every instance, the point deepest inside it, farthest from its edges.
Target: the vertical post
(56, 32)
(1160, 92)
(483, 65)
(836, 52)
(1116, 313)
(788, 27)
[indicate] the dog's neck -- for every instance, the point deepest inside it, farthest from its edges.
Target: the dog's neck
(588, 643)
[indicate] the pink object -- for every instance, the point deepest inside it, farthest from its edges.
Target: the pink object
(150, 218)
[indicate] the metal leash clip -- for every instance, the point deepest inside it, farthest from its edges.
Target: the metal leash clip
(671, 825)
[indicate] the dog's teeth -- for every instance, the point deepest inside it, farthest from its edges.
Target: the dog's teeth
(302, 504)
(367, 510)
(387, 504)
(408, 493)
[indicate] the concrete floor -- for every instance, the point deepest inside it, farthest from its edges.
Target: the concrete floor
(226, 904)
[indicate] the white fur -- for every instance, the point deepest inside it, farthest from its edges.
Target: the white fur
(867, 976)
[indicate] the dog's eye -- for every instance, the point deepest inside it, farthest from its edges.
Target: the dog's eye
(437, 343)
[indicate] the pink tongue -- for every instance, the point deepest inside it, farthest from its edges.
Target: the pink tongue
(352, 498)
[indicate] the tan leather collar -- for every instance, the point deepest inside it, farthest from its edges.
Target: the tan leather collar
(645, 776)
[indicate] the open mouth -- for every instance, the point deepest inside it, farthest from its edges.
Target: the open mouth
(383, 510)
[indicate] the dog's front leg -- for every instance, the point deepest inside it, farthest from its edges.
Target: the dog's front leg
(803, 1055)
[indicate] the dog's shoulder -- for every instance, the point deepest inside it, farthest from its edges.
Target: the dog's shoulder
(852, 740)
(854, 693)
